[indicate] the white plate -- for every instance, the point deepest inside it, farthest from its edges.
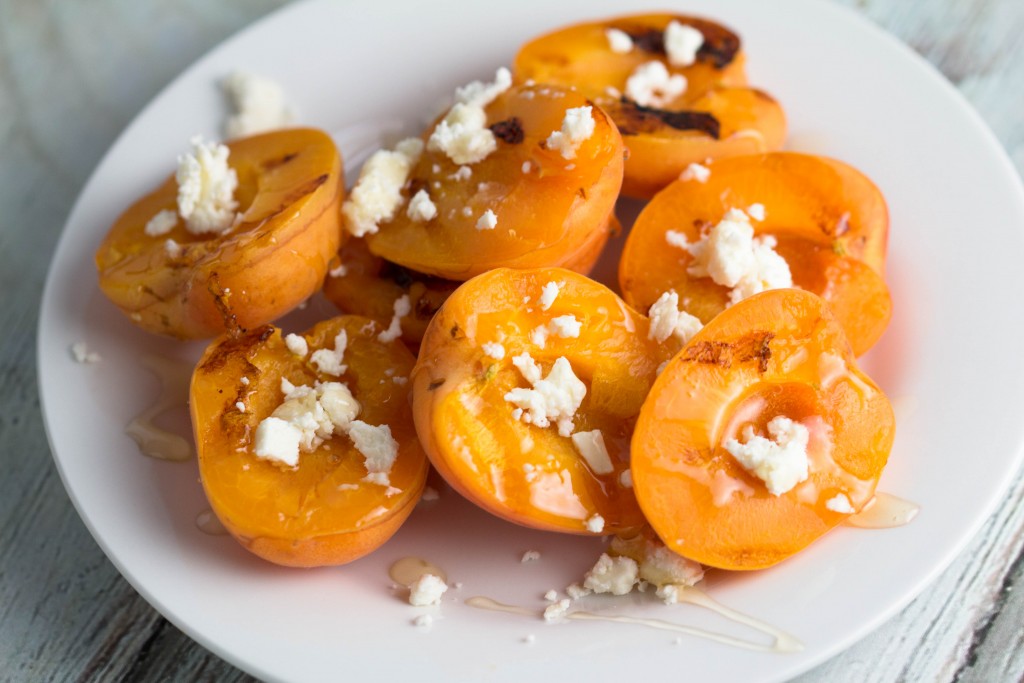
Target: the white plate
(360, 68)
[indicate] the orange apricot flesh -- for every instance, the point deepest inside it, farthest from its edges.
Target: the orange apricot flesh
(290, 188)
(323, 511)
(550, 210)
(830, 222)
(778, 353)
(528, 474)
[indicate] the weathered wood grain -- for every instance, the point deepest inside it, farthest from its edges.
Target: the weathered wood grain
(65, 612)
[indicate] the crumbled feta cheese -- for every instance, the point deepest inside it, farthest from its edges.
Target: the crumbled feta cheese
(430, 494)
(565, 326)
(527, 166)
(296, 344)
(494, 350)
(259, 105)
(667, 320)
(780, 462)
(463, 173)
(554, 398)
(551, 595)
(172, 248)
(421, 208)
(669, 593)
(401, 308)
(427, 590)
(539, 336)
(618, 41)
(529, 639)
(615, 575)
(548, 293)
(328, 361)
(278, 440)
(487, 221)
(756, 211)
(732, 257)
(339, 404)
(303, 411)
(591, 446)
(530, 556)
(423, 621)
(577, 126)
(206, 188)
(162, 223)
(595, 523)
(695, 171)
(245, 381)
(340, 271)
(556, 610)
(378, 447)
(377, 193)
(650, 85)
(575, 591)
(463, 134)
(840, 503)
(239, 406)
(626, 479)
(682, 43)
(81, 353)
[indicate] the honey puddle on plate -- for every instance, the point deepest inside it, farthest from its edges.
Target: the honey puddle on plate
(153, 440)
(405, 571)
(885, 511)
(208, 523)
(782, 641)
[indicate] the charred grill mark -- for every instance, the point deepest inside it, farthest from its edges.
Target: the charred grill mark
(509, 130)
(151, 292)
(302, 190)
(243, 346)
(455, 332)
(753, 347)
(582, 192)
(280, 161)
(220, 300)
(720, 44)
(425, 308)
(401, 276)
(649, 40)
(633, 118)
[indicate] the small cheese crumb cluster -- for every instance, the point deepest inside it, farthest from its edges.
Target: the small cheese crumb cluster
(682, 43)
(427, 590)
(554, 398)
(463, 134)
(619, 573)
(667, 320)
(732, 257)
(488, 220)
(162, 223)
(327, 361)
(577, 127)
(259, 105)
(377, 193)
(593, 450)
(840, 503)
(206, 188)
(421, 208)
(530, 556)
(651, 85)
(697, 172)
(81, 354)
(619, 41)
(402, 307)
(548, 294)
(780, 462)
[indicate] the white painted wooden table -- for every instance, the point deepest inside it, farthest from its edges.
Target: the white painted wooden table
(72, 74)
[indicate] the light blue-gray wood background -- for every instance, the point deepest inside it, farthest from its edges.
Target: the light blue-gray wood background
(73, 73)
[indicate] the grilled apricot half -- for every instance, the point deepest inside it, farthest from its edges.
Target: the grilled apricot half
(359, 470)
(774, 362)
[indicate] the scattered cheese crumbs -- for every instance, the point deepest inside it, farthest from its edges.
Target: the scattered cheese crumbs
(619, 41)
(463, 173)
(378, 447)
(840, 503)
(539, 336)
(423, 621)
(595, 523)
(667, 320)
(650, 85)
(615, 575)
(427, 590)
(494, 350)
(400, 381)
(307, 417)
(488, 221)
(401, 308)
(530, 556)
(297, 344)
(81, 353)
(548, 293)
(340, 271)
(328, 361)
(239, 406)
(780, 462)
(463, 134)
(527, 166)
(669, 593)
(421, 208)
(556, 610)
(206, 188)
(565, 326)
(695, 171)
(339, 404)
(529, 639)
(554, 398)
(551, 595)
(626, 479)
(430, 494)
(577, 126)
(162, 223)
(595, 453)
(377, 193)
(259, 105)
(732, 257)
(756, 211)
(278, 440)
(682, 43)
(245, 381)
(658, 565)
(172, 248)
(576, 591)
